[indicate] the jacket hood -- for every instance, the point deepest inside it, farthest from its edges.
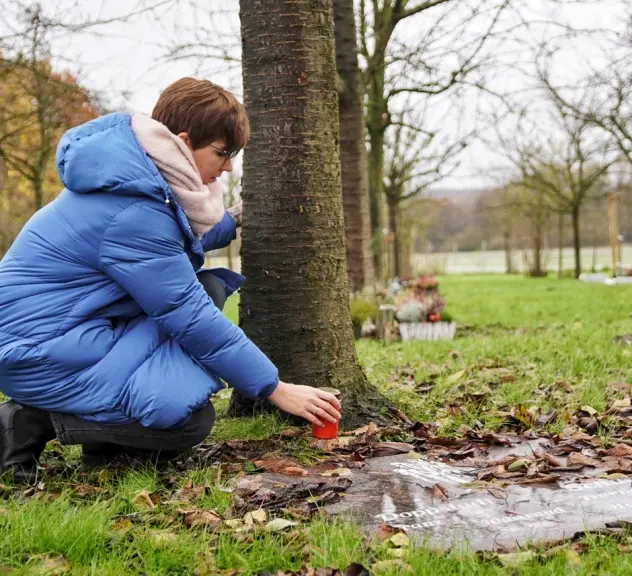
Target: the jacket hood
(105, 155)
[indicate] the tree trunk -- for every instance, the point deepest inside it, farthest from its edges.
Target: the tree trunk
(576, 241)
(376, 115)
(353, 153)
(507, 247)
(538, 236)
(560, 245)
(38, 192)
(396, 244)
(295, 304)
(537, 254)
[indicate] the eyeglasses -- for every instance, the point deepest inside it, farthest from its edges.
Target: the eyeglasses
(224, 153)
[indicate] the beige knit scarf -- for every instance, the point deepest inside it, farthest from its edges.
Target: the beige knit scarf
(203, 205)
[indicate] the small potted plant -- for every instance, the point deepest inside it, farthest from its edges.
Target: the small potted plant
(363, 308)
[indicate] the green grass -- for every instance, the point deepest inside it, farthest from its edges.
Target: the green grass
(518, 340)
(520, 337)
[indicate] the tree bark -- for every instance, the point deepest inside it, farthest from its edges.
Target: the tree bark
(376, 116)
(353, 152)
(560, 245)
(538, 236)
(507, 247)
(394, 230)
(576, 241)
(38, 192)
(295, 304)
(537, 254)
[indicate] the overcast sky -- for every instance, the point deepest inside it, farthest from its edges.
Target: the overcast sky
(126, 62)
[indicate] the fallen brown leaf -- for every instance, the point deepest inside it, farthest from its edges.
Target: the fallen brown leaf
(390, 448)
(447, 441)
(385, 531)
(544, 479)
(620, 451)
(281, 466)
(588, 423)
(368, 430)
(337, 472)
(85, 490)
(613, 464)
(399, 415)
(199, 517)
(420, 430)
(622, 403)
(438, 492)
(544, 419)
(581, 459)
(552, 460)
(190, 492)
(487, 437)
(145, 499)
(356, 570)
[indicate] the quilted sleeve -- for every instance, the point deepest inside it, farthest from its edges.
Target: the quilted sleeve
(221, 235)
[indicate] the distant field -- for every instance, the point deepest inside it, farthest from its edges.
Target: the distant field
(493, 261)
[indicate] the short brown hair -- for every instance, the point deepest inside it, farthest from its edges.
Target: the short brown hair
(205, 111)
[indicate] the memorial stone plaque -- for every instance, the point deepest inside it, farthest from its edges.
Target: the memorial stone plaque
(404, 493)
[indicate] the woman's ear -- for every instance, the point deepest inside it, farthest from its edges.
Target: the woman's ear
(186, 139)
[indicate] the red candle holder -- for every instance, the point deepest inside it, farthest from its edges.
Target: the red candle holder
(330, 429)
(326, 432)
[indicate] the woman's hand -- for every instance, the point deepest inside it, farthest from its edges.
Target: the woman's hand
(236, 212)
(307, 402)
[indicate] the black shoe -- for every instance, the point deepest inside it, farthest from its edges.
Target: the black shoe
(105, 454)
(100, 455)
(24, 432)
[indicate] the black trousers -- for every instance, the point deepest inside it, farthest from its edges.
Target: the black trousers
(71, 429)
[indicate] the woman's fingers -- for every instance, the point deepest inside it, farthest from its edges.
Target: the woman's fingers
(327, 411)
(328, 397)
(311, 417)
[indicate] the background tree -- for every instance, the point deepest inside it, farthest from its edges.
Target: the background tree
(603, 96)
(442, 55)
(39, 105)
(416, 158)
(295, 305)
(353, 153)
(564, 166)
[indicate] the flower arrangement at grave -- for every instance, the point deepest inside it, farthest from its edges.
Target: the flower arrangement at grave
(421, 311)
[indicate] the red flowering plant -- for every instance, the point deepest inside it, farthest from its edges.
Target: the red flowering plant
(421, 301)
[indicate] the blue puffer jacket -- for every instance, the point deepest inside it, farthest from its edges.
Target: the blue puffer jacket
(101, 312)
